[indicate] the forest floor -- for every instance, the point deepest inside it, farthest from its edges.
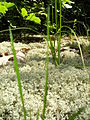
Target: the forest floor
(68, 83)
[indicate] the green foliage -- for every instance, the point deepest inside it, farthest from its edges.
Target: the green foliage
(24, 9)
(24, 12)
(42, 13)
(58, 38)
(3, 9)
(32, 17)
(5, 6)
(66, 3)
(8, 4)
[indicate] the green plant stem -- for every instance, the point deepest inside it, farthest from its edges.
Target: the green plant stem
(52, 15)
(19, 28)
(56, 14)
(72, 31)
(59, 40)
(55, 17)
(52, 10)
(47, 61)
(53, 52)
(17, 72)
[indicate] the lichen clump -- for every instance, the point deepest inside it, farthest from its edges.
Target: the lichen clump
(68, 86)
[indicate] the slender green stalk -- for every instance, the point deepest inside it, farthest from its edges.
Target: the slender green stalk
(59, 41)
(72, 31)
(52, 14)
(20, 28)
(56, 14)
(57, 61)
(52, 46)
(17, 72)
(55, 17)
(52, 11)
(53, 52)
(79, 49)
(46, 81)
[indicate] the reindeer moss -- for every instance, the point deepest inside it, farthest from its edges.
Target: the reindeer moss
(68, 85)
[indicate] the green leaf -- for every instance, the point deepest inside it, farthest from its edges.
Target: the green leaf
(8, 5)
(32, 17)
(68, 1)
(36, 19)
(3, 9)
(75, 20)
(67, 6)
(24, 12)
(42, 13)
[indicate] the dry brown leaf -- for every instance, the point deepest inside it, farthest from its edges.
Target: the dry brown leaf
(6, 53)
(5, 57)
(25, 50)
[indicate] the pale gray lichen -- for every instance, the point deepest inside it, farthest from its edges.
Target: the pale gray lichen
(68, 86)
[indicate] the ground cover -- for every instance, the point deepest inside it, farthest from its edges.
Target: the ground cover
(68, 88)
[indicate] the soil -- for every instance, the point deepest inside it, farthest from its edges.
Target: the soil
(68, 83)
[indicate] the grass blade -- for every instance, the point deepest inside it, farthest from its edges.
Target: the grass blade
(72, 31)
(59, 39)
(52, 13)
(53, 52)
(56, 14)
(47, 61)
(17, 72)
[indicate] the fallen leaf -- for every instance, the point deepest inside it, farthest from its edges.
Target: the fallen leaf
(6, 56)
(6, 53)
(25, 50)
(4, 60)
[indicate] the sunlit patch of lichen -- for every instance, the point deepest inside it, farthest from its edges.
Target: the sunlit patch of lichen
(68, 88)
